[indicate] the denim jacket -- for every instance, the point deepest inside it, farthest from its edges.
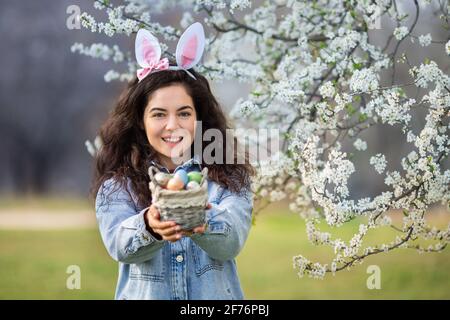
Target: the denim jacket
(201, 266)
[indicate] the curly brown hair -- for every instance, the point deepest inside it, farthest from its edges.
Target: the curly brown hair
(126, 152)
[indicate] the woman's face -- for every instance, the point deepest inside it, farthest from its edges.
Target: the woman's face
(170, 122)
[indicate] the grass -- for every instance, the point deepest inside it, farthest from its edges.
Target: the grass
(266, 269)
(33, 265)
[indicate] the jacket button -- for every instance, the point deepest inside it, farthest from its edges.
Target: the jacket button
(179, 258)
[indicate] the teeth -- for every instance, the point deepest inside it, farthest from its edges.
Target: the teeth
(173, 139)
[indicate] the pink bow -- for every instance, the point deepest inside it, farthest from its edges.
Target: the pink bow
(163, 64)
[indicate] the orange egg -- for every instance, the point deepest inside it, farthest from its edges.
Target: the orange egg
(175, 184)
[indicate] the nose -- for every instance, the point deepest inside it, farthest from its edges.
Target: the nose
(172, 123)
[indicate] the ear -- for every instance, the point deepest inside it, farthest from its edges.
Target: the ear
(190, 47)
(147, 48)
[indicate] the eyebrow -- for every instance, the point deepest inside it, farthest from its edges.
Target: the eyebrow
(180, 108)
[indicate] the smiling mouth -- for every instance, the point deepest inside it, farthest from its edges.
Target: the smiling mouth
(172, 139)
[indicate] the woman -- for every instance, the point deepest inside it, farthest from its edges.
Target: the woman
(154, 123)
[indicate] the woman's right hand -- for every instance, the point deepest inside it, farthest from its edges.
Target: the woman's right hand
(167, 230)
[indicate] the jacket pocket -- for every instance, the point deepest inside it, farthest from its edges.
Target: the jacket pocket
(202, 261)
(152, 270)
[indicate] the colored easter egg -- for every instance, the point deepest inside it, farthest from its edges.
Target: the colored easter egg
(175, 184)
(182, 174)
(195, 176)
(192, 185)
(162, 178)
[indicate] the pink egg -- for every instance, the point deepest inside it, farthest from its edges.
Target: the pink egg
(175, 184)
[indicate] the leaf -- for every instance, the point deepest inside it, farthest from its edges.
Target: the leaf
(362, 117)
(350, 109)
(357, 66)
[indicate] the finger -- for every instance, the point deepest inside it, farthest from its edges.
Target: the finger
(155, 224)
(200, 229)
(154, 212)
(187, 232)
(155, 221)
(173, 238)
(169, 231)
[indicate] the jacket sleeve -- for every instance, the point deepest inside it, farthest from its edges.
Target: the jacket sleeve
(229, 223)
(122, 227)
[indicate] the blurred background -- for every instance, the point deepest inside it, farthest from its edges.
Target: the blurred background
(52, 101)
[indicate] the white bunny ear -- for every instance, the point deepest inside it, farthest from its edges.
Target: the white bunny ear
(147, 48)
(190, 46)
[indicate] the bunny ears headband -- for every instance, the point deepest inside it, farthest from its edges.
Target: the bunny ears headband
(189, 51)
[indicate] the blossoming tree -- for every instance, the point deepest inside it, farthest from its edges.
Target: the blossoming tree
(316, 75)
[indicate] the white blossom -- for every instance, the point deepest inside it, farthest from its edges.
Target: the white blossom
(245, 108)
(111, 75)
(327, 90)
(425, 40)
(276, 195)
(364, 80)
(378, 162)
(239, 4)
(360, 145)
(186, 20)
(429, 72)
(400, 32)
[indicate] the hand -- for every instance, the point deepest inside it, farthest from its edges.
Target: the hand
(167, 230)
(200, 229)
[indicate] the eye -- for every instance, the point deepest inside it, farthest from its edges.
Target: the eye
(158, 115)
(185, 114)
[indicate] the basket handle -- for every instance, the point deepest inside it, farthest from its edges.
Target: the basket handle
(204, 175)
(152, 170)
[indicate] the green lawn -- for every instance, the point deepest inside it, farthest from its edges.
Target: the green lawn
(33, 265)
(266, 266)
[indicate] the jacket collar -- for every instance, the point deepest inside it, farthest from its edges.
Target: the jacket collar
(194, 161)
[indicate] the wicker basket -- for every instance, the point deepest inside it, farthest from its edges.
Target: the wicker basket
(185, 207)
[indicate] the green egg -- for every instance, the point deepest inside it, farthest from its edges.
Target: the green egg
(195, 176)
